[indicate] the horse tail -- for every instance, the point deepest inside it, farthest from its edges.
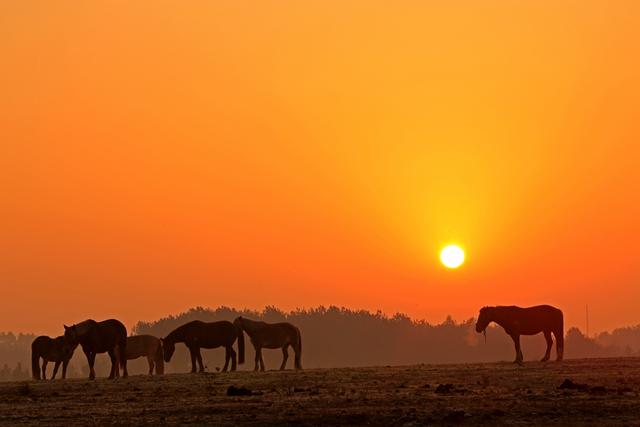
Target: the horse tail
(240, 344)
(35, 363)
(159, 359)
(122, 353)
(298, 350)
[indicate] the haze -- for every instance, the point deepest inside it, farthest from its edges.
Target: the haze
(159, 155)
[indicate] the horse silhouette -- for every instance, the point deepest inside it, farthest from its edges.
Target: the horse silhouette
(146, 346)
(518, 321)
(197, 334)
(108, 336)
(50, 350)
(272, 335)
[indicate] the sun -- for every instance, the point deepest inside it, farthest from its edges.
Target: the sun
(452, 256)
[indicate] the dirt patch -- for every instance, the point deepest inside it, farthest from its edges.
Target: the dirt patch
(596, 392)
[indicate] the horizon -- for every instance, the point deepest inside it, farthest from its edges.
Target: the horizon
(591, 333)
(157, 157)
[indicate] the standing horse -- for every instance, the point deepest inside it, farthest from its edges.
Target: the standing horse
(272, 335)
(108, 336)
(146, 346)
(196, 335)
(50, 349)
(518, 321)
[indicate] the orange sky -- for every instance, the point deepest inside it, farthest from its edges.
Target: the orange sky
(156, 156)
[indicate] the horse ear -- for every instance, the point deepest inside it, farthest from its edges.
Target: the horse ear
(66, 327)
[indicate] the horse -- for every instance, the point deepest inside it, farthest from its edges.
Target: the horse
(108, 336)
(518, 321)
(272, 335)
(197, 334)
(149, 347)
(50, 350)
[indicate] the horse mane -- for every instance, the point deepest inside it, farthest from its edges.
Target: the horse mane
(253, 324)
(180, 329)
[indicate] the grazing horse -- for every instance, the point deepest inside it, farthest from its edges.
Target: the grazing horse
(108, 336)
(518, 321)
(272, 335)
(146, 346)
(50, 349)
(196, 335)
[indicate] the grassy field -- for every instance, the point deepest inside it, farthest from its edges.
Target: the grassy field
(600, 391)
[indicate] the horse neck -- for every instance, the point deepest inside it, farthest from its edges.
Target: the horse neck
(177, 335)
(500, 317)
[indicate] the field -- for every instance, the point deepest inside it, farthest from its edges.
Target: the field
(600, 391)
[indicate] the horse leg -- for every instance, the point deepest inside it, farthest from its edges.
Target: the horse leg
(257, 358)
(559, 345)
(261, 361)
(227, 356)
(64, 369)
(122, 361)
(516, 342)
(44, 369)
(199, 357)
(151, 364)
(118, 353)
(192, 350)
(547, 336)
(233, 356)
(285, 356)
(55, 370)
(91, 359)
(114, 364)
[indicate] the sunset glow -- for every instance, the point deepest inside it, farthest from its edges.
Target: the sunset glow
(160, 157)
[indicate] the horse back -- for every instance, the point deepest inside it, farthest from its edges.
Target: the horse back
(142, 345)
(216, 334)
(536, 319)
(42, 345)
(41, 342)
(275, 335)
(48, 348)
(104, 336)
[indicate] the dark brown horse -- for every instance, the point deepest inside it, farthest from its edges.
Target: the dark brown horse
(108, 336)
(50, 350)
(272, 335)
(518, 321)
(146, 346)
(196, 335)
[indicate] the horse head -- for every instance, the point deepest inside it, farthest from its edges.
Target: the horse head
(484, 319)
(168, 347)
(238, 322)
(70, 339)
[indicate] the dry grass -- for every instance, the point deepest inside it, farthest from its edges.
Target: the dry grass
(490, 394)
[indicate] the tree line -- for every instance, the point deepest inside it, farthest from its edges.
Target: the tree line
(339, 337)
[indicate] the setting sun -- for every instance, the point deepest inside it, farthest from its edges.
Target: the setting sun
(452, 256)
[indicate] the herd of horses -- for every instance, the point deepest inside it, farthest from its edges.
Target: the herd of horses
(110, 336)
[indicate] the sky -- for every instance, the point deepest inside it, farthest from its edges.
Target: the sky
(160, 155)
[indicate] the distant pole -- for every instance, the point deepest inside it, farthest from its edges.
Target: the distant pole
(587, 320)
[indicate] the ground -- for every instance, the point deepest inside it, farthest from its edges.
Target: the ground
(599, 391)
